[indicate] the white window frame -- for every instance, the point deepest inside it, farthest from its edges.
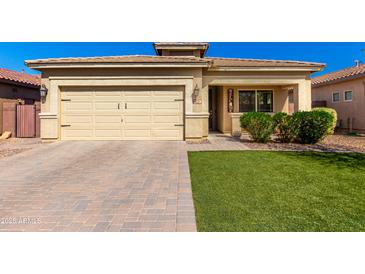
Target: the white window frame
(256, 103)
(344, 95)
(339, 96)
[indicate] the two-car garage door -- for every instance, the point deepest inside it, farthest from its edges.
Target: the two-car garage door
(123, 113)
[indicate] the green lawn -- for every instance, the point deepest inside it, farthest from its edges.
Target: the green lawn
(278, 191)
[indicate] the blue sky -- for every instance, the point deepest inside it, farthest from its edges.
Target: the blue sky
(335, 55)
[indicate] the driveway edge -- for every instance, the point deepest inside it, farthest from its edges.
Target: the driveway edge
(185, 219)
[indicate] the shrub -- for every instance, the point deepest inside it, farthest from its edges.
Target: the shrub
(278, 118)
(259, 125)
(311, 126)
(333, 112)
(285, 126)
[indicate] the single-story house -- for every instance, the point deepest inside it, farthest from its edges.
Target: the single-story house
(344, 91)
(17, 87)
(179, 94)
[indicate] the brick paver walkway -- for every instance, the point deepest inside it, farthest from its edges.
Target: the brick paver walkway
(97, 186)
(218, 141)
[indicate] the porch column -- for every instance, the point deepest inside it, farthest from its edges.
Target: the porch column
(302, 96)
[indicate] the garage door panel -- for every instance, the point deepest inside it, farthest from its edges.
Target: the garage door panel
(138, 106)
(76, 107)
(167, 119)
(136, 94)
(77, 134)
(107, 106)
(166, 105)
(108, 133)
(77, 95)
(107, 95)
(101, 119)
(69, 118)
(166, 96)
(130, 119)
(168, 93)
(138, 133)
(166, 133)
(142, 115)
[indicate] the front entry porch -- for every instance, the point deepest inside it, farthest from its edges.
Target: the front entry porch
(226, 104)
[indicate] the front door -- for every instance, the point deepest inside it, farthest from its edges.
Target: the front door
(212, 110)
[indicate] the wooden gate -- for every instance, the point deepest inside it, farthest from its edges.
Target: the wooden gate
(25, 121)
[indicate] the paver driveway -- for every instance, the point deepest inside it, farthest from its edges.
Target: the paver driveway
(97, 186)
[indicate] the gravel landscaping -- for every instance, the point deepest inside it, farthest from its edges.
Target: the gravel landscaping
(14, 146)
(335, 143)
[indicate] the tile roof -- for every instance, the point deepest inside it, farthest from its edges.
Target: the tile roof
(19, 77)
(340, 75)
(181, 44)
(121, 59)
(213, 62)
(240, 62)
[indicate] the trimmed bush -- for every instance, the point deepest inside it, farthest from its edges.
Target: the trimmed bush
(259, 125)
(333, 112)
(278, 118)
(311, 126)
(285, 127)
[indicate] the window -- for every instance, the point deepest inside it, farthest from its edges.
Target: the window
(264, 100)
(247, 100)
(348, 95)
(256, 100)
(335, 97)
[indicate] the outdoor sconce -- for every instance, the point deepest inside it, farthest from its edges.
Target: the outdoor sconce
(43, 91)
(196, 91)
(230, 100)
(196, 94)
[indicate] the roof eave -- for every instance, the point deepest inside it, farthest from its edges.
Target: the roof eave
(265, 68)
(18, 83)
(40, 66)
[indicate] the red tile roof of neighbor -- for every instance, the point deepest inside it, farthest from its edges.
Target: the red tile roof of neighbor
(340, 75)
(210, 61)
(20, 77)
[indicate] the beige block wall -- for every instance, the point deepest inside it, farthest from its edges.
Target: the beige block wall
(352, 109)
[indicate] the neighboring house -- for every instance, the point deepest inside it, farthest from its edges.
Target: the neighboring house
(343, 90)
(16, 86)
(179, 94)
(19, 85)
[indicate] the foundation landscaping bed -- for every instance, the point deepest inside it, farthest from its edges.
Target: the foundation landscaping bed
(278, 191)
(339, 142)
(302, 131)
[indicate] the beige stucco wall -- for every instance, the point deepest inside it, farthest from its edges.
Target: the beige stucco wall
(225, 122)
(345, 109)
(196, 108)
(56, 79)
